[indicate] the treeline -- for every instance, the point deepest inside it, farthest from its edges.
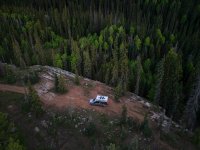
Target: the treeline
(147, 47)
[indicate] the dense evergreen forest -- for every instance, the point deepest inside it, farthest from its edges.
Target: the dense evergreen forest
(149, 47)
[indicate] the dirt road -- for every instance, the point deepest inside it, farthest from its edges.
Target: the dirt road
(12, 88)
(78, 97)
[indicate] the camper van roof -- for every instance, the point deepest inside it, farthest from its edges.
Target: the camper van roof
(102, 98)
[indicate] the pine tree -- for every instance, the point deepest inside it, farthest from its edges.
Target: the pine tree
(58, 61)
(65, 19)
(61, 87)
(124, 70)
(76, 59)
(138, 43)
(159, 78)
(123, 119)
(39, 49)
(139, 69)
(87, 64)
(18, 54)
(76, 79)
(193, 105)
(171, 83)
(34, 100)
(55, 82)
(10, 76)
(2, 70)
(118, 92)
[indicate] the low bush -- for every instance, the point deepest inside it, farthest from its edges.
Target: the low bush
(131, 123)
(103, 119)
(32, 102)
(14, 145)
(26, 105)
(76, 79)
(170, 138)
(134, 145)
(123, 133)
(31, 77)
(9, 139)
(111, 147)
(9, 75)
(123, 118)
(196, 137)
(145, 127)
(90, 129)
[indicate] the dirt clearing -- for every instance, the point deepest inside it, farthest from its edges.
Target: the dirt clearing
(78, 96)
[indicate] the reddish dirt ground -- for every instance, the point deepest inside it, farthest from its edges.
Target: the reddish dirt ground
(78, 97)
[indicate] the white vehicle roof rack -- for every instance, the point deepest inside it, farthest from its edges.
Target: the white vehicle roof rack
(102, 98)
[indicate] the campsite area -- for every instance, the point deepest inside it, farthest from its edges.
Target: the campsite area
(70, 119)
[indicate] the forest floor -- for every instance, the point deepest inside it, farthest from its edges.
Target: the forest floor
(78, 96)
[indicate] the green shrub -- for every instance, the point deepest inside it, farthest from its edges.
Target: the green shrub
(9, 140)
(145, 127)
(131, 123)
(2, 70)
(111, 147)
(26, 105)
(76, 79)
(169, 138)
(123, 118)
(31, 77)
(10, 76)
(90, 129)
(123, 133)
(196, 137)
(14, 145)
(103, 119)
(134, 145)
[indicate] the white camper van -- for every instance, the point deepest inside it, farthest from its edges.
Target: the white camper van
(99, 101)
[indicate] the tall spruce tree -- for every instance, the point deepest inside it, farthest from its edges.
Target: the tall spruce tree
(159, 79)
(18, 54)
(193, 104)
(192, 107)
(171, 87)
(138, 77)
(87, 64)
